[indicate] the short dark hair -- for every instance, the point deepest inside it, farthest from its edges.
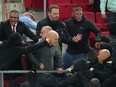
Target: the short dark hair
(76, 8)
(53, 6)
(14, 11)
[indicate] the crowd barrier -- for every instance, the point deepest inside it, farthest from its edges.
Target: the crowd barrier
(21, 71)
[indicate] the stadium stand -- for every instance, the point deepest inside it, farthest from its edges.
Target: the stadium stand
(90, 15)
(65, 12)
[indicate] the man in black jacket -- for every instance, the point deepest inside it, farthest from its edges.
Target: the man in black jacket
(80, 75)
(79, 24)
(103, 67)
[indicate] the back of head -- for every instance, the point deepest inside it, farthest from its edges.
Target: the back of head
(15, 39)
(44, 32)
(105, 39)
(53, 37)
(104, 54)
(30, 14)
(76, 8)
(94, 82)
(53, 34)
(80, 65)
(47, 28)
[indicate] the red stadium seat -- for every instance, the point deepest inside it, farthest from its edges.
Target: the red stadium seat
(99, 26)
(65, 11)
(6, 83)
(27, 3)
(37, 4)
(49, 2)
(92, 39)
(90, 15)
(102, 26)
(86, 6)
(24, 62)
(78, 2)
(105, 33)
(20, 79)
(99, 19)
(106, 27)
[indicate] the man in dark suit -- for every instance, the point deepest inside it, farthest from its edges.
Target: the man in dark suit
(14, 25)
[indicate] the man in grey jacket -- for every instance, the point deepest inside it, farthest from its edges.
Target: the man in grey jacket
(47, 58)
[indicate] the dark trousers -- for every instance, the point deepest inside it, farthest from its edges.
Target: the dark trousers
(111, 17)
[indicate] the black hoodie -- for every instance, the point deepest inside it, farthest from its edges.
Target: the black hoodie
(83, 27)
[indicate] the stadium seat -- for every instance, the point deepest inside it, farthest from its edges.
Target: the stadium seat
(92, 39)
(99, 19)
(102, 26)
(78, 2)
(86, 6)
(24, 62)
(6, 83)
(106, 27)
(20, 79)
(105, 33)
(103, 22)
(27, 3)
(65, 11)
(90, 15)
(99, 26)
(49, 2)
(37, 4)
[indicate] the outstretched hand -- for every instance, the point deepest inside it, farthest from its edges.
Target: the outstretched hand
(77, 38)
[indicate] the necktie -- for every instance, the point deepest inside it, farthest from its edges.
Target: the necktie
(13, 29)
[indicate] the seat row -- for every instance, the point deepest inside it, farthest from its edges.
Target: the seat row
(38, 4)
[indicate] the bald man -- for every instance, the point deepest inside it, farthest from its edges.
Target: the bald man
(48, 57)
(54, 37)
(44, 32)
(103, 55)
(102, 67)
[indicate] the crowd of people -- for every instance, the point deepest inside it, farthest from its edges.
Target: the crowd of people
(77, 66)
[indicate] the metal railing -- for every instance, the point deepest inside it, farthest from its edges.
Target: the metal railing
(21, 72)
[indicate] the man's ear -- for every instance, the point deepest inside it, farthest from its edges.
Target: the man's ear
(48, 14)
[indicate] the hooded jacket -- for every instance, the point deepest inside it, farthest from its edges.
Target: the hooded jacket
(83, 27)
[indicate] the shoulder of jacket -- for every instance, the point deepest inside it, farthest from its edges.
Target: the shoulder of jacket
(43, 21)
(20, 22)
(63, 23)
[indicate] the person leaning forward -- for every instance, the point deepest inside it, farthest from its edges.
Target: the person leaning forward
(12, 49)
